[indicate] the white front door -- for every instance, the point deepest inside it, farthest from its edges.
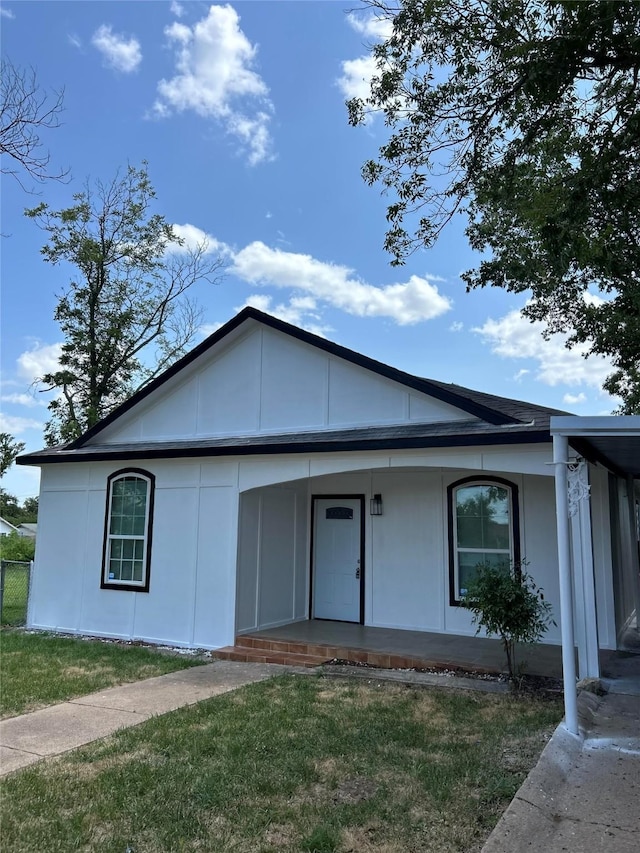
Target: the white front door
(337, 569)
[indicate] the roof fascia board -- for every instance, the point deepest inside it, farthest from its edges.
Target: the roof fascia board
(422, 385)
(599, 426)
(188, 451)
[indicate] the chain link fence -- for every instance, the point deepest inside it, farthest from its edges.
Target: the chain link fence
(15, 582)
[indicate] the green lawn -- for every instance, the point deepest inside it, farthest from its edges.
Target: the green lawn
(40, 669)
(293, 764)
(14, 598)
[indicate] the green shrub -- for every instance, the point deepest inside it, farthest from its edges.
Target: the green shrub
(14, 547)
(509, 605)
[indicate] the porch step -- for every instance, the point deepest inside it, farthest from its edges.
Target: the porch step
(251, 647)
(245, 654)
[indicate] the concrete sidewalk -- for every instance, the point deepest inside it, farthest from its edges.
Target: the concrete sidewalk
(59, 728)
(584, 792)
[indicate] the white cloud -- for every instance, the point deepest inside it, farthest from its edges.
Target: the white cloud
(371, 26)
(74, 40)
(301, 311)
(355, 81)
(356, 77)
(209, 328)
(176, 9)
(195, 237)
(40, 359)
(215, 78)
(16, 425)
(457, 326)
(6, 13)
(120, 53)
(513, 336)
(573, 399)
(28, 400)
(405, 303)
(315, 284)
(521, 374)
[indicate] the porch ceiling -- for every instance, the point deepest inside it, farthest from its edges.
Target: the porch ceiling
(613, 441)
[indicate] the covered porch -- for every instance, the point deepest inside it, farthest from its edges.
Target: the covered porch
(612, 445)
(372, 545)
(315, 641)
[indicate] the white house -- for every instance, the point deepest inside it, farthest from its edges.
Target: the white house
(6, 527)
(272, 476)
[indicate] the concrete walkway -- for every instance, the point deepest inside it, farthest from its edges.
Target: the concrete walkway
(59, 728)
(584, 792)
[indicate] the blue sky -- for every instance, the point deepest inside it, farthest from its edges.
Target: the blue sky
(239, 110)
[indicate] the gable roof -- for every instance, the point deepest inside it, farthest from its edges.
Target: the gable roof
(496, 413)
(440, 391)
(518, 410)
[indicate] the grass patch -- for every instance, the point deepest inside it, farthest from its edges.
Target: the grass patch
(14, 596)
(40, 669)
(292, 764)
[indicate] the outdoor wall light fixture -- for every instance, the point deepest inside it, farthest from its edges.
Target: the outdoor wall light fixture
(375, 505)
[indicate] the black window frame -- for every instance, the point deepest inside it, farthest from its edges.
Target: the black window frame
(514, 505)
(129, 586)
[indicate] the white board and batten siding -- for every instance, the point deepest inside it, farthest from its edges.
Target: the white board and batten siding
(406, 550)
(193, 556)
(232, 536)
(266, 382)
(272, 557)
(200, 560)
(228, 557)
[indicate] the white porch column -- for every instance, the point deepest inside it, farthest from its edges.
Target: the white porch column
(560, 459)
(584, 592)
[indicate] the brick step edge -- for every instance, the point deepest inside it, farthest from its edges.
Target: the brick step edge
(296, 647)
(252, 645)
(246, 655)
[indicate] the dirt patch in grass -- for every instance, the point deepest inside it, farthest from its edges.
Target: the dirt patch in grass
(518, 753)
(365, 839)
(280, 835)
(382, 694)
(327, 768)
(355, 790)
(81, 671)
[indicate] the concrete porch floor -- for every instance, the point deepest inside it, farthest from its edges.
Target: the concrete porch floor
(472, 653)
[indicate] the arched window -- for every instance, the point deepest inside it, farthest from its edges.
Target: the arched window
(127, 535)
(483, 529)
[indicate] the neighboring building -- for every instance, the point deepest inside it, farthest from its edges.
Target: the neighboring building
(272, 476)
(28, 530)
(6, 527)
